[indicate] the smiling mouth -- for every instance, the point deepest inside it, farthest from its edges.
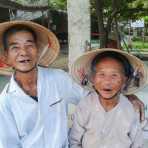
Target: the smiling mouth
(107, 89)
(24, 61)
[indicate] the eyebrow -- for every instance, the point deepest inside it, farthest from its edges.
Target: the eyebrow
(31, 41)
(11, 44)
(115, 70)
(15, 43)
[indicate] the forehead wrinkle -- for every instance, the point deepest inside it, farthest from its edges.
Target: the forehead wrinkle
(106, 61)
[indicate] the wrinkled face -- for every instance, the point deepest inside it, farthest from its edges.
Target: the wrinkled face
(109, 78)
(22, 51)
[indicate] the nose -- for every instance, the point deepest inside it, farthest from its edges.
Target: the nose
(108, 80)
(23, 51)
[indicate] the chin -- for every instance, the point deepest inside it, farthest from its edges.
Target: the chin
(107, 96)
(25, 70)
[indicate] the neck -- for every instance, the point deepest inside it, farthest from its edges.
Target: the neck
(109, 104)
(27, 81)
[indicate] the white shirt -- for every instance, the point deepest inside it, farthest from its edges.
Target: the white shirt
(93, 127)
(25, 123)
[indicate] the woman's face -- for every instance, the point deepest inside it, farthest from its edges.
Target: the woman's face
(109, 78)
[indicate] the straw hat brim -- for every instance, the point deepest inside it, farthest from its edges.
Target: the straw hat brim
(47, 42)
(6, 71)
(83, 63)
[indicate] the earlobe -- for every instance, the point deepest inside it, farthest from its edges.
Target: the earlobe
(125, 84)
(125, 79)
(92, 79)
(38, 57)
(5, 59)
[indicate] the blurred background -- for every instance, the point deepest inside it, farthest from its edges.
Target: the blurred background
(84, 24)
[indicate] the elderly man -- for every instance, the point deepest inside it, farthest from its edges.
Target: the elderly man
(33, 104)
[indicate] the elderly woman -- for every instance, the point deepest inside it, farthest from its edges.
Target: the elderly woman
(105, 118)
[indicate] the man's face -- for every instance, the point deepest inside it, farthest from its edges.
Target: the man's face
(22, 51)
(109, 78)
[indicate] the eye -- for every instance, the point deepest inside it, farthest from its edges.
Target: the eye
(115, 75)
(30, 45)
(14, 48)
(100, 74)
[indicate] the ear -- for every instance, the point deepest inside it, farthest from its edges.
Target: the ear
(125, 79)
(92, 79)
(125, 83)
(4, 58)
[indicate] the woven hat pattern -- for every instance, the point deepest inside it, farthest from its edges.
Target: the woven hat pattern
(47, 42)
(81, 72)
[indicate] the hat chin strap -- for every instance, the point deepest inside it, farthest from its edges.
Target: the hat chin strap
(43, 53)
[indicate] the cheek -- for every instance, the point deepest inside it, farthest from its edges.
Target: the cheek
(97, 83)
(93, 80)
(119, 84)
(97, 80)
(32, 53)
(10, 59)
(35, 53)
(116, 85)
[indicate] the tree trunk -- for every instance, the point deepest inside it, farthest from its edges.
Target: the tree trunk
(117, 32)
(78, 27)
(102, 32)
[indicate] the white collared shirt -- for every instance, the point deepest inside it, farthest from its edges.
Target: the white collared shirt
(25, 123)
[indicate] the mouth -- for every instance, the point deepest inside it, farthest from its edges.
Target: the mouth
(25, 61)
(107, 89)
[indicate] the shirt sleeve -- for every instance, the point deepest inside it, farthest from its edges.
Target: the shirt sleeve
(78, 127)
(136, 134)
(9, 137)
(71, 90)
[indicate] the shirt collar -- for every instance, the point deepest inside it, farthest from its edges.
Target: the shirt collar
(13, 86)
(52, 98)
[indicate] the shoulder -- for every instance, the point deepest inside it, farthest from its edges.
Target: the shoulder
(127, 108)
(84, 109)
(52, 72)
(126, 103)
(88, 101)
(4, 102)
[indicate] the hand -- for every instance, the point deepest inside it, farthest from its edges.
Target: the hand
(138, 105)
